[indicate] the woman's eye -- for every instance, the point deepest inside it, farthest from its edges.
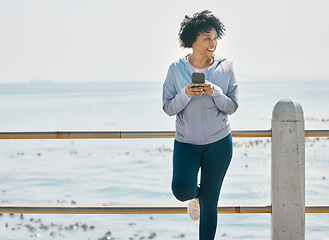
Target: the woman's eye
(209, 39)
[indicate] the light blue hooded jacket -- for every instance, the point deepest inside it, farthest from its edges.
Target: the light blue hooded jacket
(203, 119)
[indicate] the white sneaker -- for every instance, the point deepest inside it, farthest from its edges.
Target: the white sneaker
(193, 209)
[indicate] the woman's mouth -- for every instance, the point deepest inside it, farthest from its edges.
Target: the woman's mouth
(211, 49)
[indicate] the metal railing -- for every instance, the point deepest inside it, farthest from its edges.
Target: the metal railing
(287, 207)
(137, 134)
(144, 210)
(140, 210)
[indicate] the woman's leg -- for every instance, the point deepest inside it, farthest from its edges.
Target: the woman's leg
(215, 162)
(186, 164)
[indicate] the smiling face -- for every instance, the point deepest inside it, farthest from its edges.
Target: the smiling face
(205, 44)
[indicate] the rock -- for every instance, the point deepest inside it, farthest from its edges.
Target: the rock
(84, 227)
(44, 227)
(71, 227)
(106, 238)
(152, 235)
(180, 236)
(30, 228)
(53, 225)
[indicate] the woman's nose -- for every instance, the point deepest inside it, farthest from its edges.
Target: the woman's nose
(212, 45)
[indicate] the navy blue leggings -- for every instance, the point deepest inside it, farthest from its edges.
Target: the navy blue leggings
(213, 159)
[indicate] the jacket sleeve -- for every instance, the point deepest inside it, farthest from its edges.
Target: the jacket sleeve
(227, 103)
(173, 101)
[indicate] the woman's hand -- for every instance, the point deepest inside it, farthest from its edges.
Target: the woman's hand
(207, 88)
(194, 90)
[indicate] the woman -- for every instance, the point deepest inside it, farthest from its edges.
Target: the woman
(203, 135)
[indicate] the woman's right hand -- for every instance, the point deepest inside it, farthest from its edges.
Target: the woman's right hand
(192, 90)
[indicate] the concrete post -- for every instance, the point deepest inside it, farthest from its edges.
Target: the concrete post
(288, 171)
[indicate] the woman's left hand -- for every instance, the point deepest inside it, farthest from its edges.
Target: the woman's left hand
(207, 88)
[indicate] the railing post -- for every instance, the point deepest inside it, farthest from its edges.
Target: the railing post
(288, 171)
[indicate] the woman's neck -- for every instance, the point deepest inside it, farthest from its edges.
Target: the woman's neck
(200, 62)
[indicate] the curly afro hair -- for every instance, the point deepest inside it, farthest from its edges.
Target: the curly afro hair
(200, 22)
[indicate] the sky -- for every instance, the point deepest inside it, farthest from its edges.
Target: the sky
(129, 40)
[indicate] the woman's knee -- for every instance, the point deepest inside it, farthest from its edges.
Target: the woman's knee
(183, 192)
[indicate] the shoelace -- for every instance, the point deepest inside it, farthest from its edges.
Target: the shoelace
(195, 205)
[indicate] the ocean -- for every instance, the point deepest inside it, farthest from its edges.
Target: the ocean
(137, 172)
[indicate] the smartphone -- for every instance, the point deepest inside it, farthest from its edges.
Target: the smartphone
(198, 77)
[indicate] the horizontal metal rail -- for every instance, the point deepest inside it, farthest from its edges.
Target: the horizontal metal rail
(137, 134)
(144, 210)
(114, 134)
(316, 133)
(125, 210)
